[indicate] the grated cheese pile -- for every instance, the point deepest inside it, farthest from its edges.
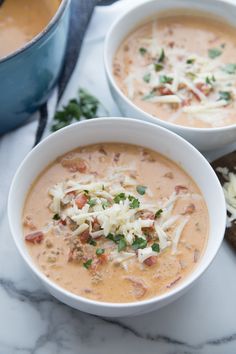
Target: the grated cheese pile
(123, 214)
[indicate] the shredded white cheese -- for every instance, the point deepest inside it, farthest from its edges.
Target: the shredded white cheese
(119, 211)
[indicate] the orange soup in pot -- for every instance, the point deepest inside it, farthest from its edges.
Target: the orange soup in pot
(181, 68)
(115, 223)
(21, 20)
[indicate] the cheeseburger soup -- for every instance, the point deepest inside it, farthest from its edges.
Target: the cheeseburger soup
(21, 20)
(182, 69)
(115, 223)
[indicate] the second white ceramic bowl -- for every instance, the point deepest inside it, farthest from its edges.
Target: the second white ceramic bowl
(202, 138)
(130, 131)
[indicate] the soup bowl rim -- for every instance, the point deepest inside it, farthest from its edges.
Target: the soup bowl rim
(17, 231)
(128, 102)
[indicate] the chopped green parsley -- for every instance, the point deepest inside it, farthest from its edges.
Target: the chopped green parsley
(141, 189)
(214, 53)
(139, 243)
(142, 51)
(88, 263)
(158, 213)
(100, 251)
(156, 247)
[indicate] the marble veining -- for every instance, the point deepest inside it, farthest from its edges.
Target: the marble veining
(32, 322)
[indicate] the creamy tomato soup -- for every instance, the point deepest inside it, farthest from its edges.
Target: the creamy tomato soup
(21, 20)
(182, 69)
(115, 223)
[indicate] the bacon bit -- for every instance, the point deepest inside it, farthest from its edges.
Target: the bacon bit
(186, 102)
(84, 236)
(165, 91)
(102, 151)
(116, 157)
(88, 291)
(195, 95)
(173, 283)
(169, 175)
(63, 222)
(81, 200)
(204, 88)
(180, 188)
(103, 258)
(74, 164)
(95, 225)
(189, 210)
(117, 69)
(150, 261)
(145, 214)
(35, 237)
(139, 288)
(181, 86)
(171, 44)
(28, 222)
(70, 256)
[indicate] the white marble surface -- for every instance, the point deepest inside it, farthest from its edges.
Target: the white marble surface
(31, 321)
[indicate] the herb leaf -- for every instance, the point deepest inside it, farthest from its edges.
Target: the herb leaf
(147, 77)
(88, 104)
(158, 67)
(85, 106)
(156, 247)
(225, 95)
(119, 197)
(122, 244)
(230, 68)
(149, 95)
(110, 236)
(99, 251)
(162, 56)
(134, 202)
(214, 53)
(92, 202)
(190, 61)
(166, 79)
(88, 263)
(92, 242)
(68, 113)
(139, 243)
(142, 51)
(105, 204)
(115, 238)
(210, 80)
(56, 217)
(158, 213)
(141, 189)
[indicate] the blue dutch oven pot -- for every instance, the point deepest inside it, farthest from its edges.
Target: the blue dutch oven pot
(28, 75)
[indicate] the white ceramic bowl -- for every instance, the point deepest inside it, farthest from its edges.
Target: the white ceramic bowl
(122, 130)
(202, 138)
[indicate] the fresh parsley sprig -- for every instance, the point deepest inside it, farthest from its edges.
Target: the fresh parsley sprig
(85, 106)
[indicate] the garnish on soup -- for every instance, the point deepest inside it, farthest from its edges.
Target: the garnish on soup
(129, 220)
(185, 72)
